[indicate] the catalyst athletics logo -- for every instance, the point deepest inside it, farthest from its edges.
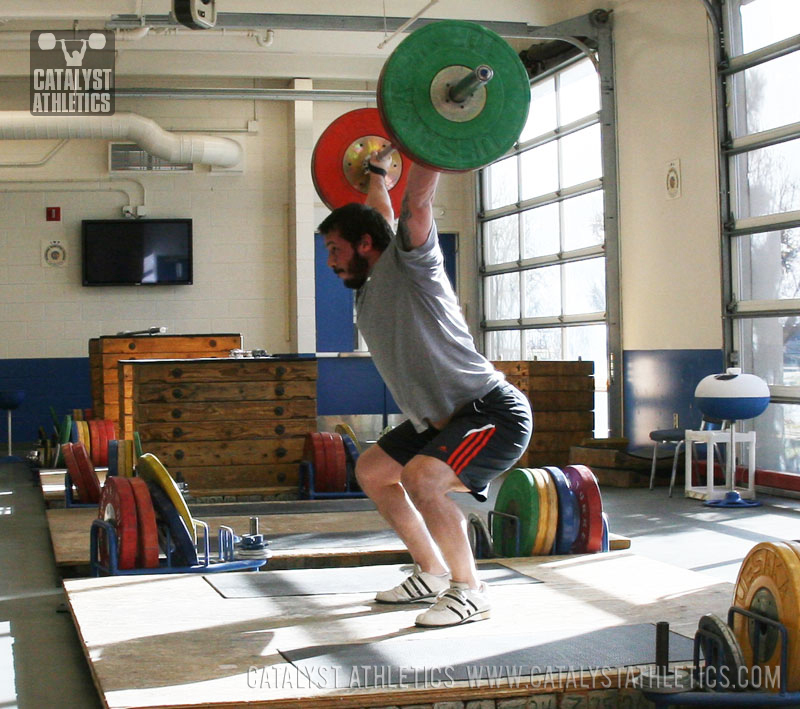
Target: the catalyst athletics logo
(72, 72)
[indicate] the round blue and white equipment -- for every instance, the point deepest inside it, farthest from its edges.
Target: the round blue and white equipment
(732, 396)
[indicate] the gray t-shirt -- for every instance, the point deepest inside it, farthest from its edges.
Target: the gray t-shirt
(416, 333)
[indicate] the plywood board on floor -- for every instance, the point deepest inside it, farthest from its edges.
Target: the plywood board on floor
(173, 641)
(296, 540)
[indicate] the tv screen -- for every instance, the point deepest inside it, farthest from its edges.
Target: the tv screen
(143, 252)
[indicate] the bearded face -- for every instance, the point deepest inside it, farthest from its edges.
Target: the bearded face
(355, 275)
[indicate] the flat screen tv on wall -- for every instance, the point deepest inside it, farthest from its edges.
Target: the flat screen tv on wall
(141, 252)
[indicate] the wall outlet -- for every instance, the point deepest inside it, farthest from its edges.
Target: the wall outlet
(675, 421)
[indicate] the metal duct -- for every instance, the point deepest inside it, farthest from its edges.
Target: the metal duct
(175, 147)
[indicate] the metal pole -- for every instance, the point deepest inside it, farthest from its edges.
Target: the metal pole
(479, 76)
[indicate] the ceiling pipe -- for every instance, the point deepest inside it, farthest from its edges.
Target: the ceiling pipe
(264, 38)
(175, 147)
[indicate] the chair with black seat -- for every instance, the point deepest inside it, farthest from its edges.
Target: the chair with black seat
(677, 437)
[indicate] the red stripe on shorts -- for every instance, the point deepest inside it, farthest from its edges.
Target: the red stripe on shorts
(473, 443)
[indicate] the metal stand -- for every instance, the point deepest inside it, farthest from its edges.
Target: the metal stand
(506, 518)
(309, 492)
(225, 561)
(69, 500)
(707, 674)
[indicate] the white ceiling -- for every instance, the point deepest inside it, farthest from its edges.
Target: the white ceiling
(323, 55)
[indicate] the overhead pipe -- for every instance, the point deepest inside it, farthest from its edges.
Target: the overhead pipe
(174, 147)
(264, 38)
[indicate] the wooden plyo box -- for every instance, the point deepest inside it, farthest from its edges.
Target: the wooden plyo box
(562, 399)
(225, 426)
(106, 351)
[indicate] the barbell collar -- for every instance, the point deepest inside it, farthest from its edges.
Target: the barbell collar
(479, 76)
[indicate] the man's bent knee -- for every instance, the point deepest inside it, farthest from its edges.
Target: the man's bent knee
(426, 479)
(374, 469)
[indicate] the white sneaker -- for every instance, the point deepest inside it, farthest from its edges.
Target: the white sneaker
(420, 586)
(459, 604)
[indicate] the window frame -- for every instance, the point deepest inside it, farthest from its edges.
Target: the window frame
(597, 45)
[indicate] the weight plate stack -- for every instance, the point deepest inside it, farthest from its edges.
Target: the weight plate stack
(568, 513)
(137, 446)
(343, 430)
(769, 584)
(130, 458)
(118, 508)
(113, 460)
(518, 496)
(723, 653)
(539, 546)
(419, 114)
(182, 549)
(352, 453)
(94, 438)
(590, 504)
(147, 551)
(552, 512)
(122, 465)
(339, 157)
(75, 473)
(111, 430)
(88, 474)
(153, 471)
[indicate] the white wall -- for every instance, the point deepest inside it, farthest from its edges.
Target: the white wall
(240, 236)
(670, 249)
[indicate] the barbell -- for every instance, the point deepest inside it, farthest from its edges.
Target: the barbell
(453, 96)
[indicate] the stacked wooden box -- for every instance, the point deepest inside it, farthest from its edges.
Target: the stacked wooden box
(106, 351)
(226, 426)
(562, 398)
(613, 466)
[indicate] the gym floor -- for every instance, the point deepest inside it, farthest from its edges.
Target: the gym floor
(42, 665)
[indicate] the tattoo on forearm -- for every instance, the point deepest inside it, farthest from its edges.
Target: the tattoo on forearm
(402, 227)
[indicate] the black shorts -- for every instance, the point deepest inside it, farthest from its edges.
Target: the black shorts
(483, 439)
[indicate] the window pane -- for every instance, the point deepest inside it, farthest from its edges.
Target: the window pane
(583, 221)
(585, 287)
(588, 342)
(501, 240)
(542, 292)
(770, 94)
(539, 170)
(579, 92)
(542, 114)
(501, 296)
(775, 352)
(770, 265)
(502, 344)
(540, 231)
(500, 183)
(765, 22)
(769, 179)
(543, 344)
(580, 156)
(778, 435)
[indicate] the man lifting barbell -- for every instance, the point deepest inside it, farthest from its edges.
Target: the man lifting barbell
(466, 425)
